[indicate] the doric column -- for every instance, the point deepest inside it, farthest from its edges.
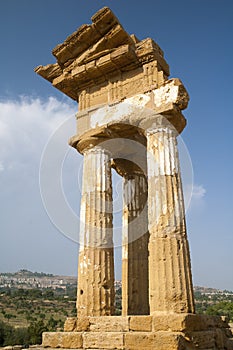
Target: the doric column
(135, 299)
(95, 295)
(170, 280)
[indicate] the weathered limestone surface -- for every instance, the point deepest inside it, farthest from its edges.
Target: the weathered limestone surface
(169, 259)
(160, 331)
(135, 279)
(70, 340)
(140, 323)
(129, 117)
(101, 63)
(96, 265)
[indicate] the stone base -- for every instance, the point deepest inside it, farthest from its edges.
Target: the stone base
(157, 332)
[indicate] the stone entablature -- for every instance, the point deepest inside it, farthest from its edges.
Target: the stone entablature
(100, 63)
(136, 112)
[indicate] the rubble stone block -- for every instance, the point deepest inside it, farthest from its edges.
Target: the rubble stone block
(140, 323)
(229, 344)
(51, 339)
(228, 332)
(103, 340)
(195, 322)
(70, 324)
(171, 322)
(71, 340)
(156, 341)
(82, 324)
(220, 338)
(203, 340)
(109, 324)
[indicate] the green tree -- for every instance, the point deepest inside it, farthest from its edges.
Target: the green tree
(74, 311)
(224, 308)
(1, 333)
(17, 336)
(3, 312)
(48, 294)
(35, 294)
(8, 316)
(35, 331)
(51, 324)
(5, 333)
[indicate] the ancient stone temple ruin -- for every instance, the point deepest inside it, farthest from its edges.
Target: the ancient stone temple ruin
(130, 115)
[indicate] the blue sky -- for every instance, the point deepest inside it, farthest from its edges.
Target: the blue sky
(196, 37)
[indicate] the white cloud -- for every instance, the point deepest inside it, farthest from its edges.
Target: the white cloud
(25, 126)
(1, 167)
(198, 192)
(193, 195)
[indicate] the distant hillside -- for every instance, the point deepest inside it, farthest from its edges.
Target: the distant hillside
(27, 297)
(27, 280)
(26, 273)
(208, 290)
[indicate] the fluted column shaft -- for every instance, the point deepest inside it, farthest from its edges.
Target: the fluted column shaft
(135, 299)
(170, 280)
(95, 295)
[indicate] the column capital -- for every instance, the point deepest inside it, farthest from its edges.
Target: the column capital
(87, 143)
(159, 122)
(96, 147)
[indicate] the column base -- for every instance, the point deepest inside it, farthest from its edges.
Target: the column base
(156, 332)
